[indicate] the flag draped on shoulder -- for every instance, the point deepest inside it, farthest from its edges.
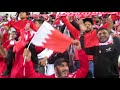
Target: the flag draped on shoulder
(51, 38)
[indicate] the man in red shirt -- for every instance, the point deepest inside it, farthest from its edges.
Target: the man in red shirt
(89, 34)
(61, 66)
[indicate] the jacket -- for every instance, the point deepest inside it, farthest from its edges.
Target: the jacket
(106, 59)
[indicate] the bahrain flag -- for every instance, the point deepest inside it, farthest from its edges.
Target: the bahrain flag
(51, 38)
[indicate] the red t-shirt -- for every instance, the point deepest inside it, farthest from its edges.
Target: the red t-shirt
(21, 25)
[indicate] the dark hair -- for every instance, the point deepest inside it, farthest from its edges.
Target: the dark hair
(106, 16)
(6, 14)
(59, 61)
(74, 23)
(101, 29)
(43, 12)
(57, 55)
(27, 13)
(88, 20)
(40, 20)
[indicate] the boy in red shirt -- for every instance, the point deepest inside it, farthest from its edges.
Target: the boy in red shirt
(21, 27)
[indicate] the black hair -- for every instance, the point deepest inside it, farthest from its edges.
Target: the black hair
(62, 28)
(57, 56)
(106, 16)
(88, 20)
(74, 23)
(101, 29)
(6, 14)
(40, 20)
(59, 61)
(43, 12)
(27, 13)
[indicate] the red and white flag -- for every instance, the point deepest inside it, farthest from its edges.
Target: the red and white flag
(49, 37)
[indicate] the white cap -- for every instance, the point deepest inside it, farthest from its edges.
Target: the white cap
(12, 29)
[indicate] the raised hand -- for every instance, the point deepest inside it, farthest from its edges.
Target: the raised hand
(77, 44)
(43, 61)
(27, 55)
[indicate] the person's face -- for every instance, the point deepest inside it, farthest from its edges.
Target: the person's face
(12, 35)
(6, 28)
(23, 15)
(88, 26)
(104, 20)
(37, 24)
(62, 70)
(103, 36)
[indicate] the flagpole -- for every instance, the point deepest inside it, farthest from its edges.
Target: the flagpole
(25, 56)
(28, 48)
(25, 59)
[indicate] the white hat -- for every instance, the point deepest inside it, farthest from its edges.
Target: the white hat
(12, 29)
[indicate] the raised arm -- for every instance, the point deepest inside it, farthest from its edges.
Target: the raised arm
(71, 28)
(29, 71)
(33, 26)
(84, 65)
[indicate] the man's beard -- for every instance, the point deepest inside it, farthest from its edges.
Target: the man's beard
(88, 30)
(61, 74)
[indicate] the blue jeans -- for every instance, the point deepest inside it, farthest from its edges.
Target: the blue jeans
(91, 70)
